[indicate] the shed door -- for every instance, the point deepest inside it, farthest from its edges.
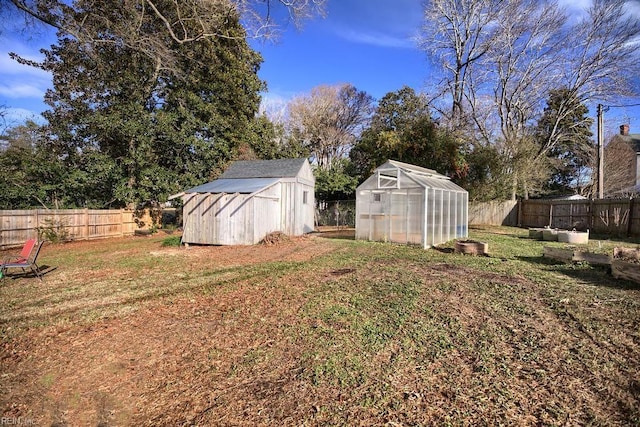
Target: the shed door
(266, 216)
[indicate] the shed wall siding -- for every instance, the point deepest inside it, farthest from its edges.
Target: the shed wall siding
(297, 217)
(218, 219)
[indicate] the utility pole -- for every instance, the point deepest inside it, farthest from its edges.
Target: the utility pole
(600, 152)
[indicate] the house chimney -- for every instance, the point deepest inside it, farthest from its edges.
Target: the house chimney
(624, 129)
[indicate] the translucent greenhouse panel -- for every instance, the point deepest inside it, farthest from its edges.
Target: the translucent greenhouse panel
(397, 217)
(415, 215)
(465, 201)
(377, 202)
(455, 208)
(437, 220)
(446, 216)
(363, 221)
(378, 205)
(461, 223)
(429, 216)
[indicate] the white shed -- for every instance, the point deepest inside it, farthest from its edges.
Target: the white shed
(404, 203)
(250, 200)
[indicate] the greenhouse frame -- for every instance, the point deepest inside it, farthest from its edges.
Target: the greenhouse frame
(403, 203)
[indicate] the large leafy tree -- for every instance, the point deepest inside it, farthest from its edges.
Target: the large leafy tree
(403, 129)
(31, 175)
(158, 128)
(270, 140)
(151, 95)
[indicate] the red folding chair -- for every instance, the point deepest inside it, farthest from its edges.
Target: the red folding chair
(26, 259)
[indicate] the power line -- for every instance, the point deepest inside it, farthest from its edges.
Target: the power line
(622, 105)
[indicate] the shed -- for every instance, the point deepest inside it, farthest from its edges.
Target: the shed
(403, 203)
(250, 200)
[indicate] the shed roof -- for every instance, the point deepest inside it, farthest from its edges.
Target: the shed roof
(280, 168)
(245, 186)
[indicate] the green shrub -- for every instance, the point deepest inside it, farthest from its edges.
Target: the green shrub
(54, 231)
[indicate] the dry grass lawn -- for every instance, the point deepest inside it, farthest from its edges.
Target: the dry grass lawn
(318, 331)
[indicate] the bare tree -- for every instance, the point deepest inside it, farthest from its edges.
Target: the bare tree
(530, 48)
(329, 119)
(458, 33)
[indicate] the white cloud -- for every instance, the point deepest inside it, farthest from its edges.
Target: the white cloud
(377, 39)
(22, 87)
(9, 66)
(578, 5)
(377, 22)
(633, 8)
(21, 90)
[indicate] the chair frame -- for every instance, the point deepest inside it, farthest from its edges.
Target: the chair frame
(27, 248)
(24, 263)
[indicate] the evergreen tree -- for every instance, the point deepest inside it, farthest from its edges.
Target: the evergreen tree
(565, 120)
(402, 129)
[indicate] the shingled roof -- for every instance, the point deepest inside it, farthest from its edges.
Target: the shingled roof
(632, 139)
(280, 168)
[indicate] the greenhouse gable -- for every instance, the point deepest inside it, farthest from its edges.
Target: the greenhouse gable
(403, 203)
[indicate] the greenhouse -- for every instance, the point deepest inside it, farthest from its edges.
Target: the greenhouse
(403, 203)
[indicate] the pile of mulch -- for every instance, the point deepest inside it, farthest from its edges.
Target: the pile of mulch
(274, 238)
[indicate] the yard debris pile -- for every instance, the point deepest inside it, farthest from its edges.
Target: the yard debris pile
(274, 238)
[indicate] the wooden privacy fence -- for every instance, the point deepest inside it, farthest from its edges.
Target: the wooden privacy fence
(615, 217)
(17, 226)
(493, 213)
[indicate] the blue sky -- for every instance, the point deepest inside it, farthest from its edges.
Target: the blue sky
(368, 43)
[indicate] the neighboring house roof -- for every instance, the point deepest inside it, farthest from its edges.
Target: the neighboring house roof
(247, 185)
(281, 168)
(569, 197)
(632, 139)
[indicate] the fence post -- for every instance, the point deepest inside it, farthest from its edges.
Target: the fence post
(631, 206)
(86, 223)
(37, 222)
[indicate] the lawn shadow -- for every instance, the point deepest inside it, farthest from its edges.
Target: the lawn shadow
(444, 250)
(597, 274)
(44, 270)
(337, 233)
